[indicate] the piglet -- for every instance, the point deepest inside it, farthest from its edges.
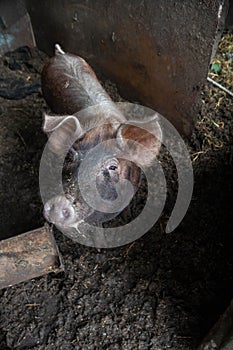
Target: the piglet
(69, 86)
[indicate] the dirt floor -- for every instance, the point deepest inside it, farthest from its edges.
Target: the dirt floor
(164, 291)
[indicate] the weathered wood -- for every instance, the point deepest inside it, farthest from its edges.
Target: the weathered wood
(158, 52)
(221, 335)
(15, 26)
(27, 256)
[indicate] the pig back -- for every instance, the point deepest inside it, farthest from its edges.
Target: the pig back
(69, 84)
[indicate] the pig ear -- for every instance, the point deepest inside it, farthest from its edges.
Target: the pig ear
(61, 130)
(147, 133)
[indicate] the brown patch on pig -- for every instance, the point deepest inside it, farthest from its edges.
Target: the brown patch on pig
(140, 144)
(95, 136)
(131, 172)
(65, 79)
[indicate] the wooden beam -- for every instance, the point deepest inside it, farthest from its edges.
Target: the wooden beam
(27, 256)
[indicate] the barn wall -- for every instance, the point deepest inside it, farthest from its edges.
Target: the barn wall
(158, 52)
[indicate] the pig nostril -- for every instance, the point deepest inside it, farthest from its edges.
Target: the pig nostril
(50, 209)
(66, 213)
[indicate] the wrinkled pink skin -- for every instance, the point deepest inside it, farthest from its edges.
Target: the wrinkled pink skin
(70, 85)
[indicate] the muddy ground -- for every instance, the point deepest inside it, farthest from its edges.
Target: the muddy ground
(164, 291)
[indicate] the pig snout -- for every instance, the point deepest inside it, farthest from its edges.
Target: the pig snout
(60, 211)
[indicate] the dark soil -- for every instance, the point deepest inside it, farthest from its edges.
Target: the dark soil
(21, 142)
(163, 291)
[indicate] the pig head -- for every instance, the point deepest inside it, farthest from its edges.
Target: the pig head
(83, 111)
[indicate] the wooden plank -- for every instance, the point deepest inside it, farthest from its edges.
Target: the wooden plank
(221, 335)
(15, 26)
(157, 52)
(27, 256)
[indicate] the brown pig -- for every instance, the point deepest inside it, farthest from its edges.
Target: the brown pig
(69, 86)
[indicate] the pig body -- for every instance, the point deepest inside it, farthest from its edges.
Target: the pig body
(69, 86)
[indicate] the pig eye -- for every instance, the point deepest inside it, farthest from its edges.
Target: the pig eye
(112, 167)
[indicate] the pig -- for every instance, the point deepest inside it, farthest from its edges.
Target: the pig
(69, 85)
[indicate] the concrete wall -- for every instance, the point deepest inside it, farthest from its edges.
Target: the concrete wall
(158, 52)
